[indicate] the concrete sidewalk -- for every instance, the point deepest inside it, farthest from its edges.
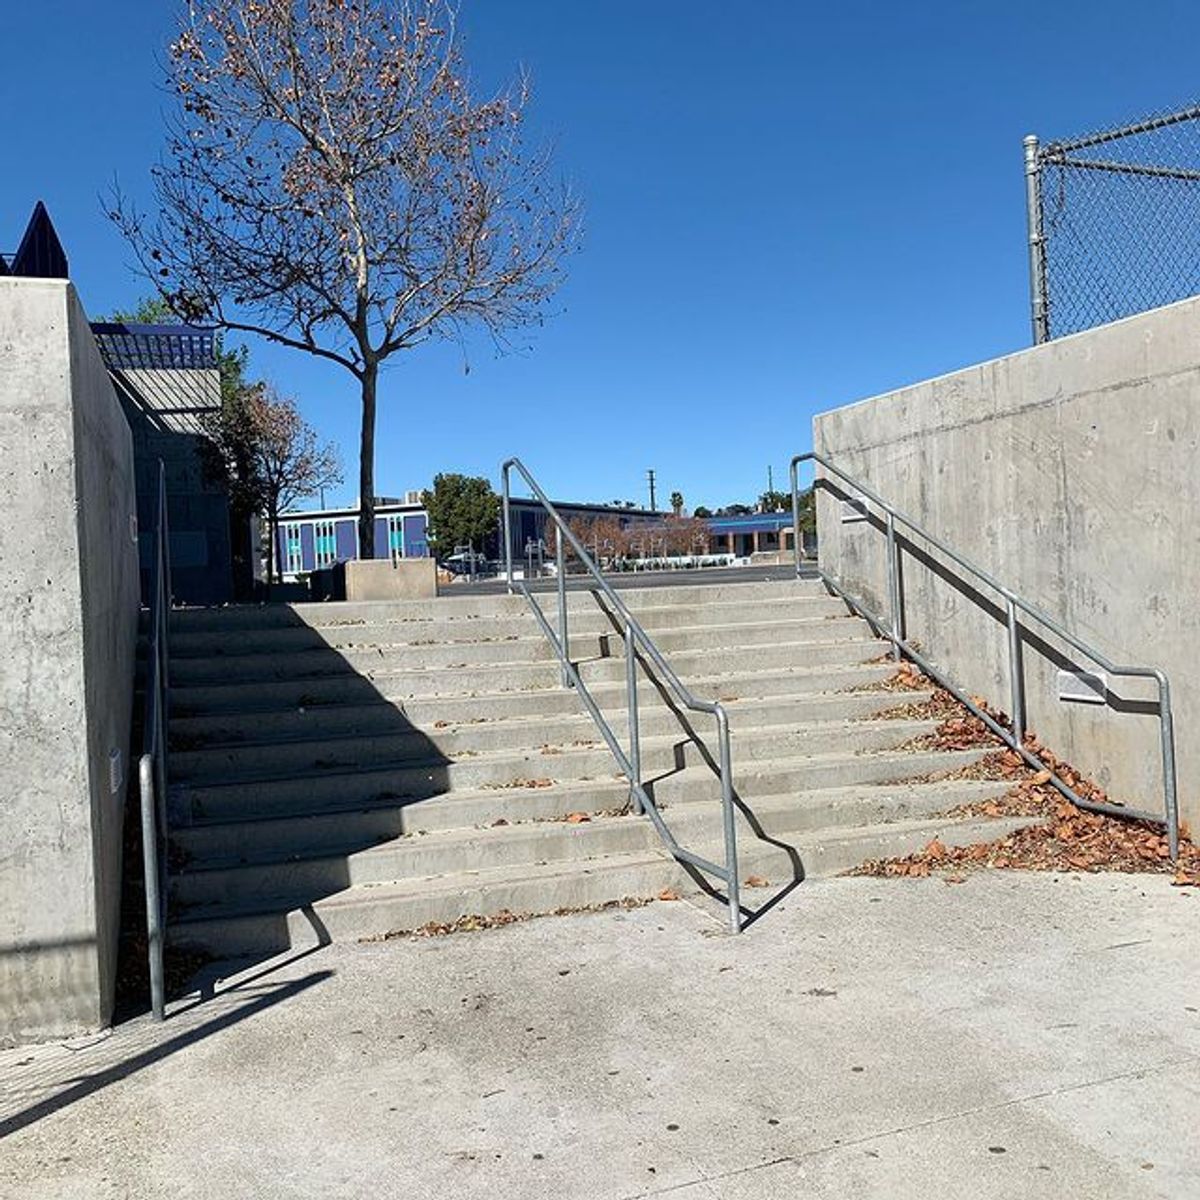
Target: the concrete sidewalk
(1011, 1036)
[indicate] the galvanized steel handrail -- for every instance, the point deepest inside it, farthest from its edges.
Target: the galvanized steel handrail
(152, 767)
(637, 642)
(893, 630)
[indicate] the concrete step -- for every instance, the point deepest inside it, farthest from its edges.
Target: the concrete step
(341, 613)
(368, 822)
(333, 791)
(431, 696)
(426, 644)
(267, 925)
(301, 878)
(778, 642)
(566, 723)
(366, 912)
(495, 627)
(476, 765)
(314, 856)
(814, 772)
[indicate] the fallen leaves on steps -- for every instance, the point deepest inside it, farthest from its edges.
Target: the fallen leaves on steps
(1069, 839)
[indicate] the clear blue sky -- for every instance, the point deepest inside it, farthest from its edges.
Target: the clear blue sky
(790, 206)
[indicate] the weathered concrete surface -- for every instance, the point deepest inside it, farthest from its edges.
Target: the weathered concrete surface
(68, 624)
(380, 579)
(1012, 1036)
(1068, 471)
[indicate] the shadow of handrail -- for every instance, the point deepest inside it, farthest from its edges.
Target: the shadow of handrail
(80, 1088)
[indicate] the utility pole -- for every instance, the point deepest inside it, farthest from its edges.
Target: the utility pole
(653, 502)
(770, 478)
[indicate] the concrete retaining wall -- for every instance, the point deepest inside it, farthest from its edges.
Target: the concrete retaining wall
(68, 627)
(1070, 472)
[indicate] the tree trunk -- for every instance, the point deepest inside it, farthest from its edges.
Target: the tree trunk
(366, 464)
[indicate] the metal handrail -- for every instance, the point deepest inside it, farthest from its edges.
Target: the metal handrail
(1014, 737)
(152, 767)
(637, 644)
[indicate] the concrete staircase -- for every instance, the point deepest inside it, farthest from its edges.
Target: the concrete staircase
(347, 770)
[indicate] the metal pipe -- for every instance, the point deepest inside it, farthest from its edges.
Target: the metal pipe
(1004, 734)
(635, 733)
(1016, 671)
(1120, 168)
(1112, 135)
(1166, 723)
(1032, 612)
(729, 815)
(506, 522)
(893, 570)
(1038, 300)
(560, 555)
(642, 644)
(154, 925)
(1028, 609)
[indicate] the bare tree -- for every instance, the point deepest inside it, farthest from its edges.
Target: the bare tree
(289, 462)
(331, 183)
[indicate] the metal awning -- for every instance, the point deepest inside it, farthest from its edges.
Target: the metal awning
(156, 347)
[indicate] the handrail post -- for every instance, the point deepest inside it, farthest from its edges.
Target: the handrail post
(732, 883)
(635, 733)
(154, 931)
(1016, 671)
(796, 515)
(560, 555)
(506, 524)
(893, 569)
(1166, 724)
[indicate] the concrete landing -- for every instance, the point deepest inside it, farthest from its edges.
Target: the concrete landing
(1011, 1036)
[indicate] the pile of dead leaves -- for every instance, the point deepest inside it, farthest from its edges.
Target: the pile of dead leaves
(1069, 839)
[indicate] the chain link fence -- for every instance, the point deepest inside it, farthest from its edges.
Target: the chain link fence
(1114, 222)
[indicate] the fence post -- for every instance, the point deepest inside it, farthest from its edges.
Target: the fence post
(1038, 300)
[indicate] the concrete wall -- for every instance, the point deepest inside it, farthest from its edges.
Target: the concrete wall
(1070, 472)
(68, 627)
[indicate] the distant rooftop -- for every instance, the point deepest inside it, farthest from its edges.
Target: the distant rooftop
(156, 347)
(750, 523)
